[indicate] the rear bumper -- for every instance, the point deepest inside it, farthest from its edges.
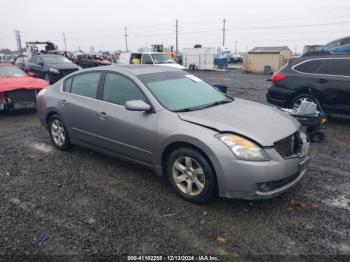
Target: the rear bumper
(280, 96)
(277, 102)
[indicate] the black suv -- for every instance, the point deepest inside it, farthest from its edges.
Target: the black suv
(319, 77)
(50, 67)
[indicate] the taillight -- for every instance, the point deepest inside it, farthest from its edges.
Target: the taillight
(278, 77)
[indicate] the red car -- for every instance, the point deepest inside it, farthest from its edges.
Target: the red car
(18, 89)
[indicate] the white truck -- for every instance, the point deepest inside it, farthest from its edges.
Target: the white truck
(148, 58)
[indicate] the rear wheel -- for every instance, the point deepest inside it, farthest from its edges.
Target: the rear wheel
(191, 175)
(317, 137)
(58, 133)
(296, 102)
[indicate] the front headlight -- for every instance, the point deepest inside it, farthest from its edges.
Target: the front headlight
(243, 148)
(54, 70)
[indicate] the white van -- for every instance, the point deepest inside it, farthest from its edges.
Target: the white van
(149, 58)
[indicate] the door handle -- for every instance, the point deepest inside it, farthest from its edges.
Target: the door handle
(103, 115)
(322, 81)
(64, 102)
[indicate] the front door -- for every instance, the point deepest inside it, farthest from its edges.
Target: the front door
(130, 134)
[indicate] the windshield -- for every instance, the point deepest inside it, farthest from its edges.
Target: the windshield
(11, 71)
(178, 91)
(55, 59)
(162, 59)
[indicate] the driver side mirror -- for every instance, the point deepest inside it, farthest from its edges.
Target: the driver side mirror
(221, 88)
(137, 105)
(41, 64)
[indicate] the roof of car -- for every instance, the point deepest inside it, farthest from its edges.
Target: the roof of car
(268, 49)
(142, 69)
(47, 55)
(325, 54)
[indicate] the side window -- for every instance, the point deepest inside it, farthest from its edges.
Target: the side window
(33, 60)
(345, 41)
(86, 84)
(146, 59)
(309, 66)
(67, 84)
(119, 89)
(339, 67)
(39, 60)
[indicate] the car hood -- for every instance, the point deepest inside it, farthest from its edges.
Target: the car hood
(259, 122)
(25, 82)
(176, 66)
(63, 66)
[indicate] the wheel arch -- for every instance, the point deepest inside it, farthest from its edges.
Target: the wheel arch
(310, 91)
(179, 144)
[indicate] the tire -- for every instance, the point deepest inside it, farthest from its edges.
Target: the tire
(191, 176)
(317, 137)
(47, 78)
(58, 133)
(299, 98)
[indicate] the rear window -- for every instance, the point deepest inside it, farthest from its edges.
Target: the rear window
(308, 66)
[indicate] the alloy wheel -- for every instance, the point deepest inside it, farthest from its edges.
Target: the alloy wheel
(188, 176)
(58, 132)
(298, 102)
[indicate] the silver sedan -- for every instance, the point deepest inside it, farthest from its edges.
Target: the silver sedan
(203, 141)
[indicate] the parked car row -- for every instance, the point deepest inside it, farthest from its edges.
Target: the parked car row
(202, 140)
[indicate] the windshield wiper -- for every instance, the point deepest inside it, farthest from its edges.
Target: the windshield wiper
(194, 108)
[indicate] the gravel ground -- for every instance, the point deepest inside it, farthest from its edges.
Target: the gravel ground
(87, 203)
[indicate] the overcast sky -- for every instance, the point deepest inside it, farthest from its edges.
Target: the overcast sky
(100, 23)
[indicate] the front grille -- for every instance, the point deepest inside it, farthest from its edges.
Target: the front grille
(65, 72)
(22, 95)
(289, 146)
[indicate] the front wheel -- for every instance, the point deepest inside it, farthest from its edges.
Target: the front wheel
(191, 175)
(58, 133)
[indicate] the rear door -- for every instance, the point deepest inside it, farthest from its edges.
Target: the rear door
(333, 77)
(78, 105)
(130, 134)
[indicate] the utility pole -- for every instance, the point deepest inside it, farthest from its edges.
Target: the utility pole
(223, 32)
(65, 43)
(235, 47)
(177, 36)
(126, 39)
(19, 42)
